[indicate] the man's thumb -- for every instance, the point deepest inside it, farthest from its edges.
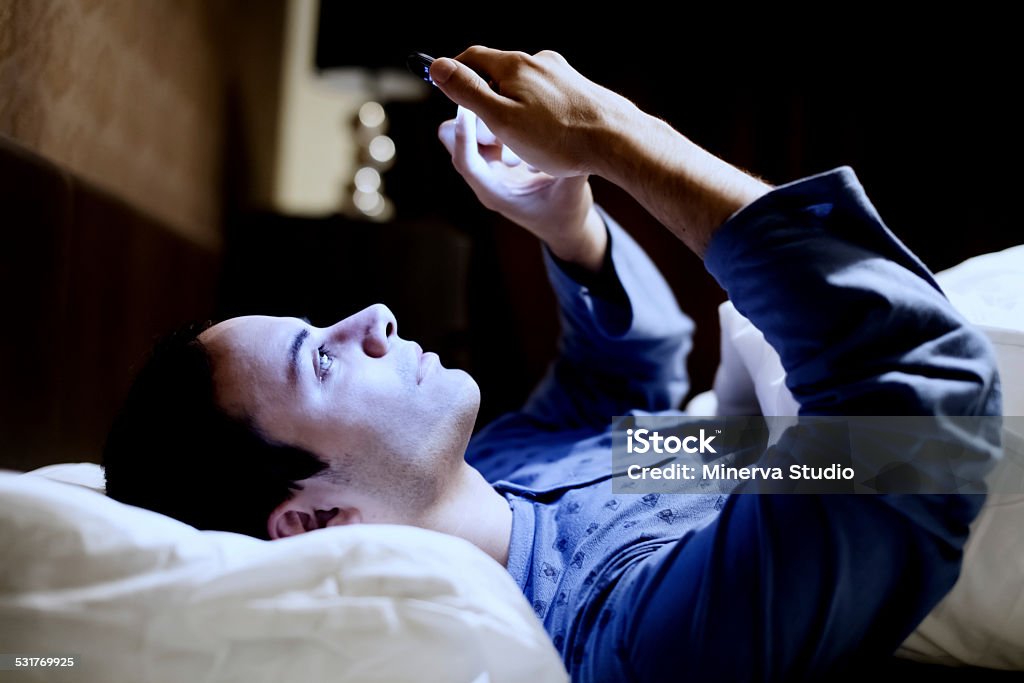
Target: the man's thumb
(442, 69)
(462, 85)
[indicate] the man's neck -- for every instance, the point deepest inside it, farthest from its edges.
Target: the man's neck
(474, 511)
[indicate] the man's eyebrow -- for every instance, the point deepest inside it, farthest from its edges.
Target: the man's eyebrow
(293, 354)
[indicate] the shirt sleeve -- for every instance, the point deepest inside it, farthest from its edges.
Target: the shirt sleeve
(859, 323)
(790, 587)
(623, 342)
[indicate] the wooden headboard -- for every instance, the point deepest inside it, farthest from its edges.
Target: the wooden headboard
(87, 283)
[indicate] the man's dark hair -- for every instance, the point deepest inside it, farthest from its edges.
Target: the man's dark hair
(174, 450)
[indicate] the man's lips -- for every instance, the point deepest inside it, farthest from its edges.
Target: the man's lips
(427, 362)
(424, 362)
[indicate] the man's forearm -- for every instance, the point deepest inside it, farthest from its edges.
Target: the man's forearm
(688, 189)
(623, 342)
(585, 248)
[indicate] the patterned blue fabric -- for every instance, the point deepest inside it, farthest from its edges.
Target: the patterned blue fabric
(748, 587)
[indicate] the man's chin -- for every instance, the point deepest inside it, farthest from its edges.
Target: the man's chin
(462, 395)
(467, 389)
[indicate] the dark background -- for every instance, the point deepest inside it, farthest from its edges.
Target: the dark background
(923, 109)
(135, 138)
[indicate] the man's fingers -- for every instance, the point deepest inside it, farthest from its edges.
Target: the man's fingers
(509, 157)
(485, 60)
(470, 163)
(471, 159)
(484, 136)
(465, 87)
(446, 134)
(465, 154)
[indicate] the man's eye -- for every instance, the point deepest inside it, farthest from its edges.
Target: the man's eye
(326, 360)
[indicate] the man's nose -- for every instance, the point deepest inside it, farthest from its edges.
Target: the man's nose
(379, 329)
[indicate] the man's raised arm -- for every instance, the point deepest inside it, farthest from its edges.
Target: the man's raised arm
(778, 587)
(566, 125)
(858, 321)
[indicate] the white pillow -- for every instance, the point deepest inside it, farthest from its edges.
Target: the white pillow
(139, 596)
(749, 361)
(981, 621)
(85, 474)
(989, 291)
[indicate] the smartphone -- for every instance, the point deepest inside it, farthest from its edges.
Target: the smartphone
(419, 65)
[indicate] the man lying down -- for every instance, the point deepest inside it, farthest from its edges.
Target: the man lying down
(273, 427)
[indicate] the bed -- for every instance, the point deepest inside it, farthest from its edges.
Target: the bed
(131, 595)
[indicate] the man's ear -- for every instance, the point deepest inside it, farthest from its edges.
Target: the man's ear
(297, 515)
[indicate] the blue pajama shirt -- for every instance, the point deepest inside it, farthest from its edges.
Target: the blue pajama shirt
(662, 587)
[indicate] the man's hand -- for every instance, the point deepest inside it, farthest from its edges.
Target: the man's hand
(567, 113)
(565, 125)
(560, 211)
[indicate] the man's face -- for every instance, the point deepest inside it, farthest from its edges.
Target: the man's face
(391, 421)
